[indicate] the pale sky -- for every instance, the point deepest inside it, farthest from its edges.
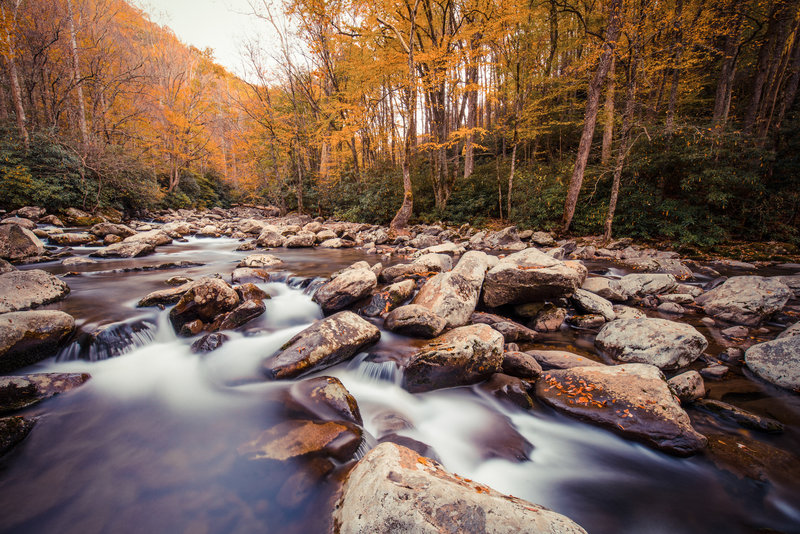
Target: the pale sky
(219, 24)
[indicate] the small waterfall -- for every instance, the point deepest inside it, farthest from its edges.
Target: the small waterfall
(376, 369)
(368, 442)
(110, 341)
(312, 285)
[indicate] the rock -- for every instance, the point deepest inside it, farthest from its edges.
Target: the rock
(326, 398)
(13, 430)
(746, 300)
(676, 298)
(393, 489)
(549, 319)
(250, 291)
(297, 439)
(506, 240)
(110, 239)
(733, 355)
(19, 221)
(177, 229)
(30, 336)
(632, 399)
(326, 235)
(348, 287)
(323, 344)
(72, 239)
(520, 365)
(406, 270)
(18, 243)
(589, 321)
(450, 249)
(270, 238)
(793, 330)
(543, 239)
(77, 260)
(510, 390)
(776, 361)
(388, 299)
(437, 263)
(665, 344)
(560, 359)
(688, 386)
(595, 304)
(51, 220)
(209, 342)
(454, 295)
(6, 267)
(641, 285)
(166, 296)
(301, 240)
(510, 330)
(106, 228)
(129, 249)
(22, 290)
(735, 331)
(18, 392)
(462, 356)
(76, 217)
(153, 237)
(626, 312)
(415, 321)
(192, 328)
(792, 282)
(531, 275)
(336, 242)
(208, 230)
(246, 275)
(260, 261)
(529, 310)
(205, 300)
(244, 312)
(424, 241)
(33, 213)
(251, 226)
(671, 308)
(741, 417)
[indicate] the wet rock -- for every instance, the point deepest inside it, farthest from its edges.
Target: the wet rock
(350, 286)
(205, 300)
(20, 221)
(510, 330)
(393, 489)
(323, 344)
(77, 260)
(243, 313)
(714, 372)
(13, 430)
(244, 275)
(665, 344)
(301, 240)
(741, 417)
(633, 400)
(250, 291)
(389, 299)
(209, 342)
(462, 356)
(177, 280)
(423, 449)
(549, 319)
(18, 392)
(671, 308)
(454, 295)
(752, 458)
(407, 270)
(303, 482)
(18, 243)
(746, 300)
(270, 238)
(325, 398)
(76, 217)
(589, 321)
(155, 237)
(259, 261)
(336, 242)
(110, 239)
(594, 304)
(208, 230)
(130, 249)
(106, 228)
(110, 340)
(192, 328)
(642, 285)
(72, 239)
(21, 290)
(415, 321)
(688, 386)
(520, 365)
(531, 275)
(297, 439)
(776, 361)
(164, 297)
(325, 234)
(560, 359)
(732, 355)
(509, 389)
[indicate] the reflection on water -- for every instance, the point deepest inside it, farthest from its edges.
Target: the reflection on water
(149, 444)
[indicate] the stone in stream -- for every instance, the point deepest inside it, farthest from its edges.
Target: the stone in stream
(688, 386)
(106, 228)
(588, 321)
(155, 237)
(325, 343)
(209, 343)
(388, 299)
(270, 238)
(641, 285)
(260, 261)
(561, 359)
(435, 262)
(243, 313)
(512, 332)
(77, 260)
(244, 275)
(18, 243)
(531, 275)
(326, 398)
(22, 290)
(301, 240)
(249, 291)
(13, 430)
(605, 287)
(509, 389)
(520, 365)
(33, 213)
(741, 417)
(72, 239)
(393, 489)
(549, 319)
(462, 356)
(131, 249)
(777, 361)
(633, 400)
(206, 299)
(110, 340)
(594, 304)
(415, 321)
(793, 330)
(17, 392)
(453, 295)
(166, 296)
(30, 336)
(665, 344)
(407, 270)
(349, 286)
(295, 439)
(746, 300)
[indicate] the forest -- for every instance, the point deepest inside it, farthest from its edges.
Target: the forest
(672, 120)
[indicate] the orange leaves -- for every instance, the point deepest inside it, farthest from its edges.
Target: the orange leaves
(576, 392)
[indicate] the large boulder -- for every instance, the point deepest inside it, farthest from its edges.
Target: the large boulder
(745, 300)
(107, 228)
(18, 243)
(531, 275)
(453, 295)
(665, 344)
(72, 239)
(30, 336)
(641, 285)
(33, 213)
(205, 300)
(20, 221)
(76, 217)
(301, 240)
(462, 356)
(415, 321)
(506, 240)
(633, 400)
(591, 303)
(605, 287)
(22, 290)
(390, 298)
(155, 237)
(777, 361)
(17, 392)
(394, 489)
(348, 287)
(129, 249)
(323, 344)
(270, 238)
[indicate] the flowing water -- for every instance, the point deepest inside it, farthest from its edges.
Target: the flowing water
(149, 443)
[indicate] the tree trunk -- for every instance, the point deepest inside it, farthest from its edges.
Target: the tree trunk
(790, 91)
(511, 179)
(590, 117)
(13, 78)
(722, 99)
(608, 108)
(76, 76)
